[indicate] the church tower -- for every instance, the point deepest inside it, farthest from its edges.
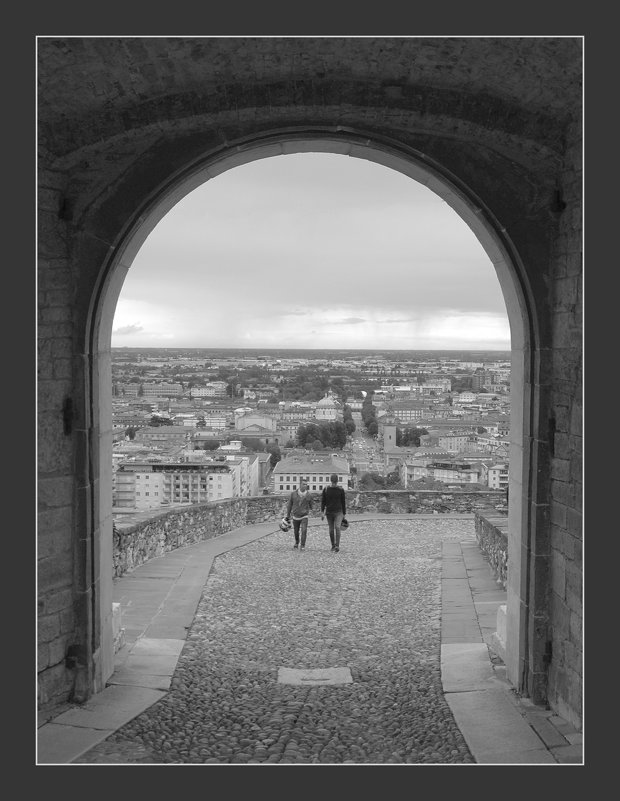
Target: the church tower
(389, 423)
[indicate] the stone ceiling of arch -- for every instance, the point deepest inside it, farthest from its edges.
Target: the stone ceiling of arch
(97, 90)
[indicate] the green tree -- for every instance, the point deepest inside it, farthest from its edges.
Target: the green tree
(275, 453)
(372, 481)
(130, 432)
(156, 420)
(410, 436)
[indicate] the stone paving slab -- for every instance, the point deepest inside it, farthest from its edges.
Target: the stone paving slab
(314, 676)
(494, 730)
(465, 667)
(58, 745)
(109, 709)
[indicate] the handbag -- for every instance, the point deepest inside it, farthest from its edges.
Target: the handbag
(344, 523)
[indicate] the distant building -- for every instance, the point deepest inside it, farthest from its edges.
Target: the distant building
(163, 435)
(316, 469)
(497, 476)
(409, 411)
(327, 410)
(145, 485)
(447, 472)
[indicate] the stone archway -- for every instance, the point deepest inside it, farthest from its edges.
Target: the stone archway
(128, 126)
(492, 238)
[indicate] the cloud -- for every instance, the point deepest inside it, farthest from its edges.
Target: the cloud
(128, 329)
(350, 321)
(341, 246)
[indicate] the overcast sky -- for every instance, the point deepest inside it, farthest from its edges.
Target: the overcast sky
(312, 251)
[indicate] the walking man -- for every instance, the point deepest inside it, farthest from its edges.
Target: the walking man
(300, 505)
(333, 504)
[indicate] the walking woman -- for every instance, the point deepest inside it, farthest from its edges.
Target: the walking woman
(299, 505)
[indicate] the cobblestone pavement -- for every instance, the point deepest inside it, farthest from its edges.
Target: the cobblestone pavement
(374, 608)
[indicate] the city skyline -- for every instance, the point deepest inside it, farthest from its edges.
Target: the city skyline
(312, 251)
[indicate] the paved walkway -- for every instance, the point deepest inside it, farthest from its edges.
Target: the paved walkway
(242, 650)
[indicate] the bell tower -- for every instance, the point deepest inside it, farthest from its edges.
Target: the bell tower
(389, 431)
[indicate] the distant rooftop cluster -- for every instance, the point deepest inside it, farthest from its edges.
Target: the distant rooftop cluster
(203, 425)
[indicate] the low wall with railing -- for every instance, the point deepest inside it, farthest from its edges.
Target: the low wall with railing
(136, 543)
(492, 535)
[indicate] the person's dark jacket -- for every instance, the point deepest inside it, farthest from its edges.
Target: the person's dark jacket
(333, 500)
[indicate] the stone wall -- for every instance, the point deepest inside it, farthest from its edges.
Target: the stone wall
(492, 536)
(164, 531)
(564, 686)
(58, 621)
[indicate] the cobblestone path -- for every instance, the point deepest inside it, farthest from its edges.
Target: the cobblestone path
(374, 609)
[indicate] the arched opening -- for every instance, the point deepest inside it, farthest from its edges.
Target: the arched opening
(514, 286)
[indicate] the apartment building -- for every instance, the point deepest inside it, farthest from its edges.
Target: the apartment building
(454, 443)
(316, 469)
(408, 411)
(214, 389)
(162, 389)
(165, 436)
(144, 485)
(449, 472)
(497, 476)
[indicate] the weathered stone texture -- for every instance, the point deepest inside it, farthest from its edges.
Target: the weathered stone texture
(561, 492)
(56, 602)
(53, 571)
(560, 470)
(56, 459)
(558, 581)
(55, 685)
(57, 526)
(55, 490)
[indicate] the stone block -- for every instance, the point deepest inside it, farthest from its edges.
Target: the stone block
(312, 677)
(558, 515)
(575, 628)
(52, 571)
(62, 369)
(561, 447)
(55, 314)
(560, 470)
(558, 574)
(51, 394)
(54, 685)
(56, 457)
(54, 531)
(43, 660)
(67, 620)
(48, 628)
(57, 650)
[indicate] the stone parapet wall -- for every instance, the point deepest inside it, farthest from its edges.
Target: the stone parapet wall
(134, 545)
(492, 536)
(422, 502)
(164, 531)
